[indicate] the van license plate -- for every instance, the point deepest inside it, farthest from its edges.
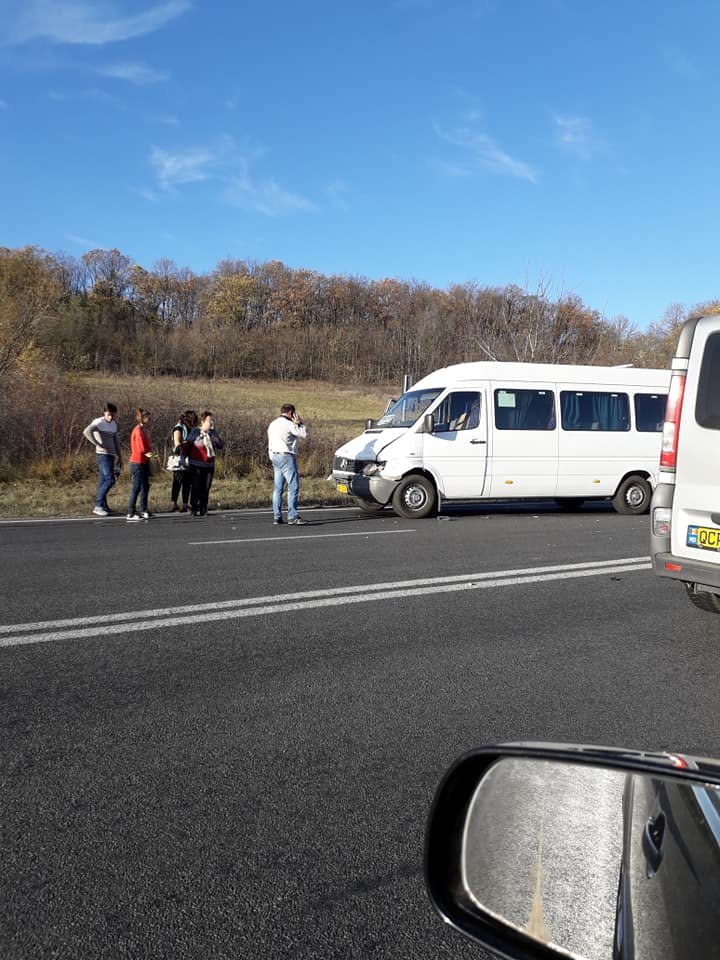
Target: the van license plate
(342, 488)
(705, 538)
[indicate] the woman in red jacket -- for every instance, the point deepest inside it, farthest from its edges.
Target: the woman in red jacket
(140, 456)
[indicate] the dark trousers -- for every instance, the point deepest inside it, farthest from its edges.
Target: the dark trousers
(181, 483)
(140, 473)
(201, 479)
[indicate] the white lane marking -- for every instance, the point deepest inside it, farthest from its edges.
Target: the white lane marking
(378, 592)
(292, 539)
(200, 608)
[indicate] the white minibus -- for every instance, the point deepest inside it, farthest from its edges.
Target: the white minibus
(494, 431)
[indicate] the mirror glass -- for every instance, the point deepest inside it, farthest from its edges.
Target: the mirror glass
(597, 863)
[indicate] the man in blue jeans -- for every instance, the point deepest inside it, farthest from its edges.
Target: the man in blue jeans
(102, 433)
(283, 434)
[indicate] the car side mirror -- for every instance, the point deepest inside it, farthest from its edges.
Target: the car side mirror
(540, 851)
(369, 424)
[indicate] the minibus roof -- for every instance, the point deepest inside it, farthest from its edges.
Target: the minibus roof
(537, 373)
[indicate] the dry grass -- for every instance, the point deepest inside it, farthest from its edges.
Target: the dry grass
(64, 484)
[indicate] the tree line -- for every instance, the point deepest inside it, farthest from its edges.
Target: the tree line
(103, 312)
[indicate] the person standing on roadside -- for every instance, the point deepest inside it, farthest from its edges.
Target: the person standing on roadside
(283, 434)
(102, 433)
(200, 447)
(181, 478)
(140, 457)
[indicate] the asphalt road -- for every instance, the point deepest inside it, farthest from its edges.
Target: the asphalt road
(221, 738)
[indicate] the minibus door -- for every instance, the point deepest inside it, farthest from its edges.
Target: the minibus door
(456, 450)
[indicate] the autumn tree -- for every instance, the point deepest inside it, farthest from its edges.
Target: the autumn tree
(30, 293)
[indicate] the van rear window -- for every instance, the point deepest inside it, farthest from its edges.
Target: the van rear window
(650, 412)
(707, 406)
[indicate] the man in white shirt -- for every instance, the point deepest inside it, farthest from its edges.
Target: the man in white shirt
(102, 433)
(283, 434)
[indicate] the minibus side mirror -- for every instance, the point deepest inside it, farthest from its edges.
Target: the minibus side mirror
(428, 424)
(369, 424)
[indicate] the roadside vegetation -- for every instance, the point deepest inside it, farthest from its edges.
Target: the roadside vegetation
(241, 340)
(48, 468)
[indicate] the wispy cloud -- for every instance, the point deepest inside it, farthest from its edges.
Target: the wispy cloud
(230, 169)
(264, 196)
(83, 21)
(577, 134)
(137, 73)
(146, 194)
(184, 166)
(83, 242)
(480, 151)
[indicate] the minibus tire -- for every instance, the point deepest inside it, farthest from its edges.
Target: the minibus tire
(709, 602)
(367, 507)
(414, 497)
(633, 495)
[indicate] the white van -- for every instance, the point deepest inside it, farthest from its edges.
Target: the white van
(496, 431)
(685, 539)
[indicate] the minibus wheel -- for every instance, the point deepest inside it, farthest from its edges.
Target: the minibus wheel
(633, 495)
(414, 497)
(367, 507)
(702, 598)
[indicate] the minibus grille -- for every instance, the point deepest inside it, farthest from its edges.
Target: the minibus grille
(345, 465)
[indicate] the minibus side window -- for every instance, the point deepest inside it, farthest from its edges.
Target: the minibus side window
(594, 410)
(649, 412)
(707, 406)
(458, 411)
(524, 409)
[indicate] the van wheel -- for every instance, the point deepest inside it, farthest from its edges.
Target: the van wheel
(414, 497)
(633, 496)
(702, 599)
(368, 506)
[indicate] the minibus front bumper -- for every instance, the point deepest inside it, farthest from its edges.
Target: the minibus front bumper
(373, 489)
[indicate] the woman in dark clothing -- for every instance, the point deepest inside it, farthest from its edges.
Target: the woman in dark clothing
(181, 478)
(199, 448)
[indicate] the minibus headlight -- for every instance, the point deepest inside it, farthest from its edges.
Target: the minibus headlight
(661, 521)
(370, 469)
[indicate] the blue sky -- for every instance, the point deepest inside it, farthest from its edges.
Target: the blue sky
(562, 142)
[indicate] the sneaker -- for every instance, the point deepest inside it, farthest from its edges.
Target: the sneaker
(175, 508)
(298, 522)
(146, 514)
(277, 521)
(100, 512)
(132, 516)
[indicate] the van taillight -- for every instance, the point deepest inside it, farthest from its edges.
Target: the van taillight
(671, 427)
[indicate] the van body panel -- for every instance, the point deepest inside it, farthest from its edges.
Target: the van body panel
(456, 452)
(685, 509)
(697, 474)
(524, 462)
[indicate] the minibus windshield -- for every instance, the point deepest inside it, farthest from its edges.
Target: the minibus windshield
(405, 411)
